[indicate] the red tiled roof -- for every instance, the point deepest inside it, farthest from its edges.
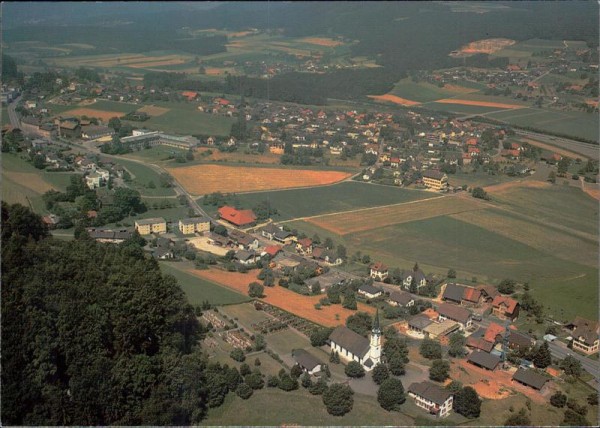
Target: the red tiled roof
(272, 250)
(379, 267)
(510, 304)
(492, 331)
(189, 94)
(237, 217)
(479, 343)
(306, 242)
(472, 141)
(473, 149)
(472, 294)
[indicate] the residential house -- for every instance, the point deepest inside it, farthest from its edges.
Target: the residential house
(239, 218)
(327, 256)
(530, 378)
(51, 220)
(304, 246)
(401, 298)
(585, 335)
(455, 313)
(246, 257)
(520, 342)
(243, 240)
(488, 292)
(218, 240)
(370, 291)
(484, 360)
(307, 362)
(379, 271)
(505, 307)
(151, 225)
(272, 250)
(189, 226)
(93, 180)
(163, 253)
(435, 180)
(431, 397)
(419, 276)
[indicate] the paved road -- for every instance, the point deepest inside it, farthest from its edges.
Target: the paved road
(560, 350)
(12, 114)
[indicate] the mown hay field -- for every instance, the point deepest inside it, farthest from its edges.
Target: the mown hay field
(375, 218)
(394, 99)
(153, 110)
(292, 302)
(345, 196)
(203, 179)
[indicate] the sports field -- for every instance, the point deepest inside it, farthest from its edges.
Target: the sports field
(300, 305)
(203, 179)
(348, 195)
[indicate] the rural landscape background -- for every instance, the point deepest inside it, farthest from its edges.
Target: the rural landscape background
(453, 142)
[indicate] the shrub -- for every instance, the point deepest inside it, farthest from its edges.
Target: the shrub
(244, 391)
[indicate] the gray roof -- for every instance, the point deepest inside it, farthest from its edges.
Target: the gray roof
(370, 289)
(121, 234)
(453, 292)
(519, 339)
(244, 255)
(195, 220)
(270, 228)
(530, 378)
(350, 340)
(430, 391)
(484, 359)
(432, 173)
(151, 221)
(401, 297)
(453, 312)
(305, 359)
(419, 322)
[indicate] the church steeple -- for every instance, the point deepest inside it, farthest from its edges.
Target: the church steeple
(376, 328)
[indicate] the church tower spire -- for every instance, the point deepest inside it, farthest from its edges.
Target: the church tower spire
(375, 345)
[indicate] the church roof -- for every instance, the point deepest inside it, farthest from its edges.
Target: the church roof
(350, 340)
(376, 321)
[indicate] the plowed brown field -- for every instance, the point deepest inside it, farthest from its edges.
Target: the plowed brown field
(394, 99)
(90, 112)
(373, 218)
(303, 306)
(203, 179)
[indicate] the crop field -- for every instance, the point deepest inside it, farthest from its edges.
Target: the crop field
(199, 290)
(135, 61)
(581, 248)
(394, 99)
(375, 218)
(348, 195)
(321, 41)
(292, 302)
(420, 92)
(265, 408)
(487, 46)
(576, 123)
(478, 103)
(203, 179)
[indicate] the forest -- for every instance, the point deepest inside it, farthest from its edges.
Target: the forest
(93, 334)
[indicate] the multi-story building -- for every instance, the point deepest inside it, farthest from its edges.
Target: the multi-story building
(189, 226)
(151, 225)
(435, 180)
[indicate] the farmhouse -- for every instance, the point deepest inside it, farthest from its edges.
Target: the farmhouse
(307, 361)
(484, 360)
(455, 313)
(436, 400)
(462, 295)
(585, 335)
(189, 226)
(530, 378)
(488, 292)
(370, 291)
(505, 308)
(151, 225)
(237, 217)
(418, 324)
(109, 235)
(401, 298)
(435, 180)
(352, 346)
(379, 271)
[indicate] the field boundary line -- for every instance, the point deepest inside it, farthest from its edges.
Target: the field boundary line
(361, 209)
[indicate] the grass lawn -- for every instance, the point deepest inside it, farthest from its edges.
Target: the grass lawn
(328, 199)
(106, 105)
(421, 92)
(199, 290)
(461, 108)
(59, 179)
(475, 179)
(186, 119)
(142, 176)
(275, 407)
(283, 342)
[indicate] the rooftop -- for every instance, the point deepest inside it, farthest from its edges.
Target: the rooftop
(430, 391)
(350, 340)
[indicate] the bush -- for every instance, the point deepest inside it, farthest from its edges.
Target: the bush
(244, 391)
(558, 399)
(380, 373)
(338, 399)
(467, 402)
(286, 383)
(391, 394)
(319, 387)
(272, 381)
(354, 370)
(254, 380)
(238, 355)
(439, 370)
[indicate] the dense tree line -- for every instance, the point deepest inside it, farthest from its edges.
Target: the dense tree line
(93, 334)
